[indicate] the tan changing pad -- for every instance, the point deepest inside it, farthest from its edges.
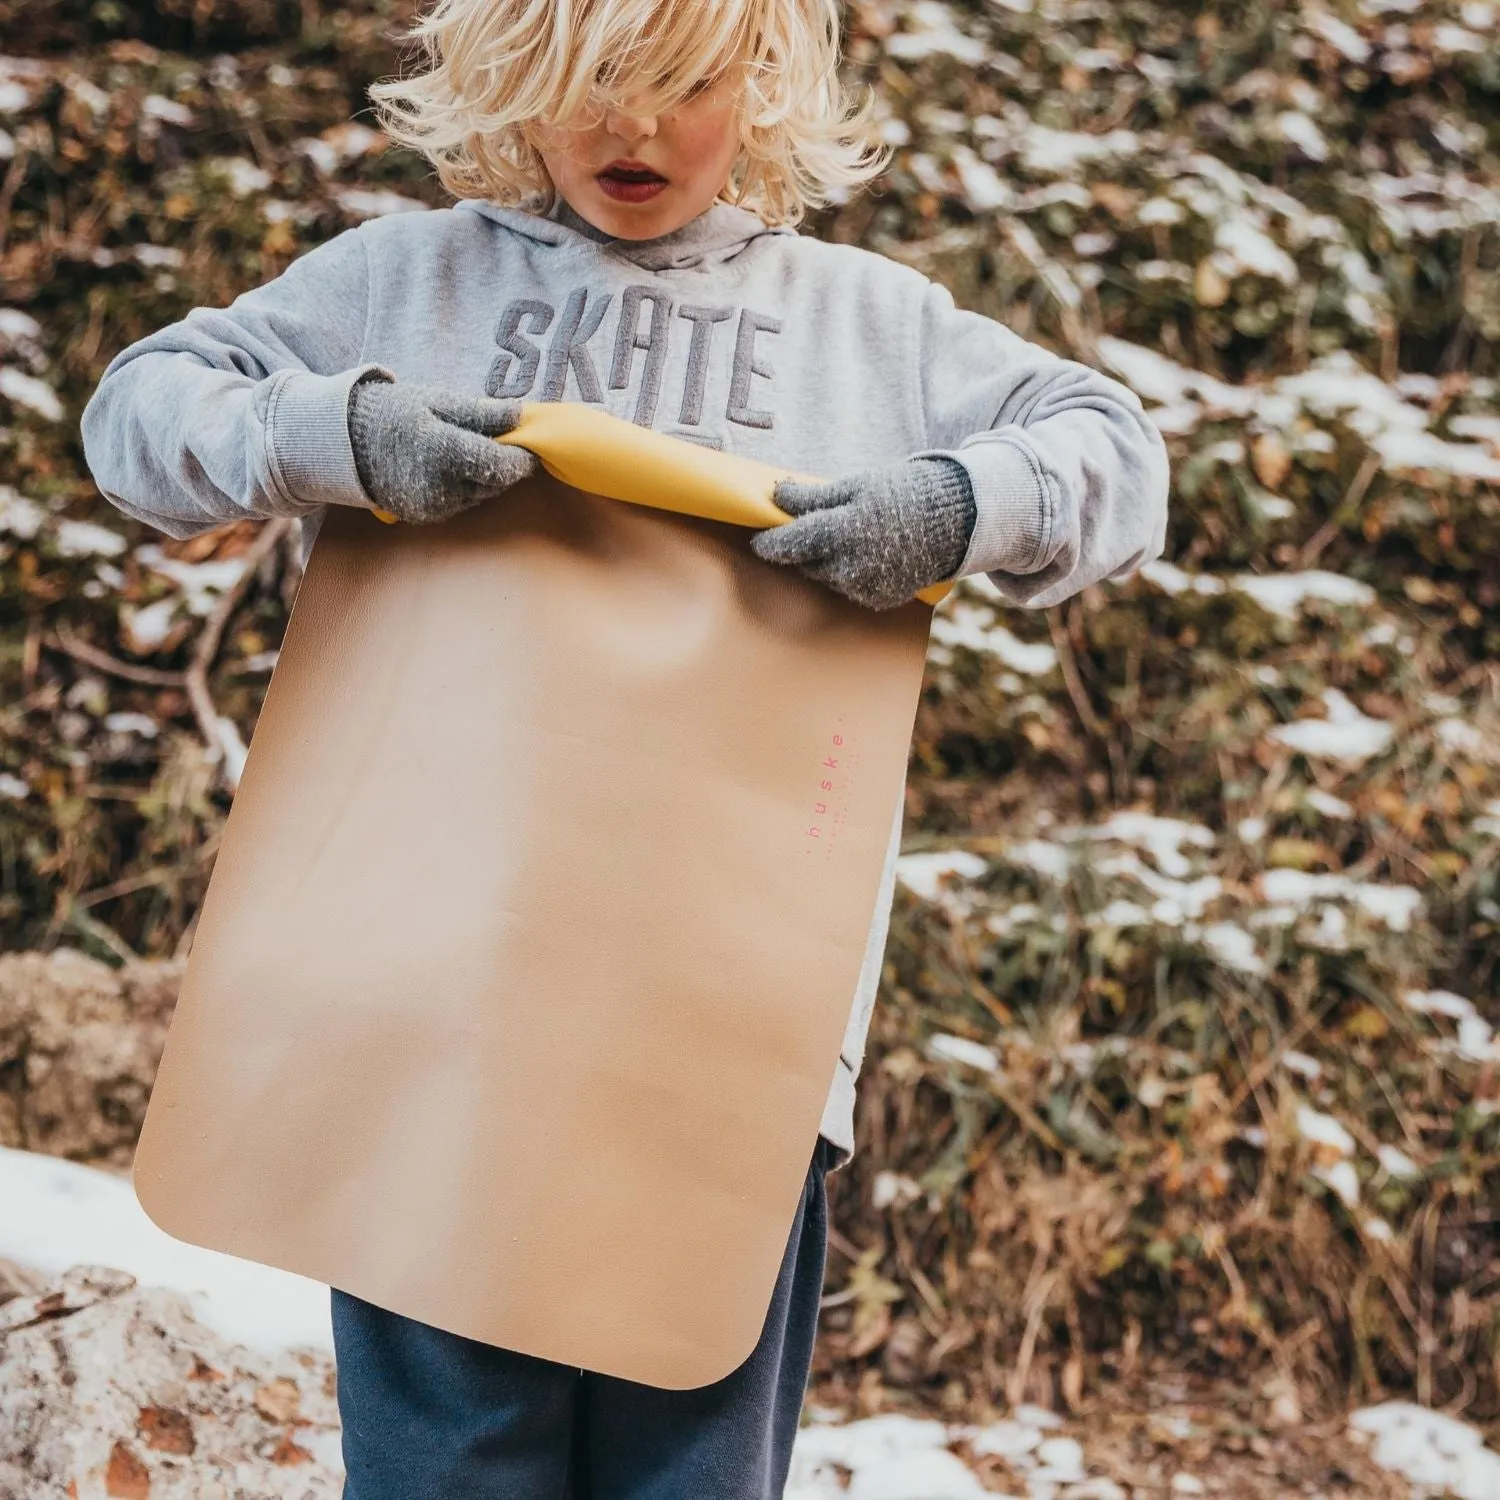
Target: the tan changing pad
(521, 979)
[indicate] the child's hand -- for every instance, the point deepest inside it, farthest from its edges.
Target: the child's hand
(877, 536)
(426, 454)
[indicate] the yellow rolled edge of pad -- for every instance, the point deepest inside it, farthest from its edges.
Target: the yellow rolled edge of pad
(606, 455)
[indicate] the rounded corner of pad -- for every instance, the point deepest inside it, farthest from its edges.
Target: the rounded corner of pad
(145, 1182)
(155, 1209)
(712, 1366)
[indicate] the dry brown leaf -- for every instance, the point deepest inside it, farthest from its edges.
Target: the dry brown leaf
(167, 1430)
(280, 1401)
(126, 1478)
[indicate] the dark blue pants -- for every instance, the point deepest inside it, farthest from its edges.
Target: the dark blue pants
(431, 1416)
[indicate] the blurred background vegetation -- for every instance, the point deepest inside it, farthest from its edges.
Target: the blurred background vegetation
(1186, 1057)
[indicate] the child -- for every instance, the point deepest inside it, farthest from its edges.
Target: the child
(629, 173)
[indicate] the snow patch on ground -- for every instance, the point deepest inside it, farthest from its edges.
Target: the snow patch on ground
(59, 1214)
(1435, 1451)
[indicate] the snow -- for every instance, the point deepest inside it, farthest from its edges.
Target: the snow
(331, 150)
(904, 1458)
(132, 723)
(1342, 1179)
(158, 107)
(1055, 153)
(972, 627)
(369, 203)
(1340, 36)
(1439, 1003)
(1008, 1439)
(893, 1190)
(1487, 429)
(1121, 914)
(1333, 1148)
(1475, 1041)
(232, 749)
(1285, 593)
(1298, 890)
(147, 626)
(869, 1450)
(60, 1214)
(17, 327)
(1161, 838)
(960, 1050)
(1296, 129)
(1430, 1449)
(241, 175)
(21, 389)
(1156, 378)
(1243, 249)
(1172, 580)
(19, 516)
(923, 874)
(1324, 1132)
(984, 189)
(158, 257)
(1346, 735)
(1398, 1164)
(201, 583)
(1461, 737)
(85, 539)
(1421, 450)
(1302, 1065)
(1163, 211)
(1041, 855)
(1456, 39)
(1062, 1461)
(933, 31)
(1177, 901)
(1334, 388)
(1329, 805)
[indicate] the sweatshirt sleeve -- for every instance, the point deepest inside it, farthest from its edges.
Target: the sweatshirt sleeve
(1070, 476)
(240, 411)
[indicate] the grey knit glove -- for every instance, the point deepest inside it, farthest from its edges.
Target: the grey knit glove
(426, 454)
(877, 536)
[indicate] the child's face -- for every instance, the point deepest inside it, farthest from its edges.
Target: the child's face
(691, 151)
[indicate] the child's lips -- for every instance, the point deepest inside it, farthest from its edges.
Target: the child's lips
(630, 184)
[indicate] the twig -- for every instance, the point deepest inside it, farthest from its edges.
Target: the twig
(1059, 285)
(31, 652)
(1016, 1391)
(1257, 1075)
(1347, 510)
(1074, 683)
(13, 179)
(144, 879)
(1426, 1297)
(65, 641)
(104, 935)
(195, 678)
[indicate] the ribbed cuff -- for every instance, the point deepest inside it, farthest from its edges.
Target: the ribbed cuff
(1013, 526)
(307, 437)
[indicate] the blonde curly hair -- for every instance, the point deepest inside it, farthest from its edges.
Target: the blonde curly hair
(494, 68)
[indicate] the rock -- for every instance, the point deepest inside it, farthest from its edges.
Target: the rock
(108, 1389)
(79, 1047)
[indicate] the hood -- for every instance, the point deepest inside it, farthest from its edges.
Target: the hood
(718, 234)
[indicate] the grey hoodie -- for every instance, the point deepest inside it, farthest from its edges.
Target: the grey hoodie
(820, 357)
